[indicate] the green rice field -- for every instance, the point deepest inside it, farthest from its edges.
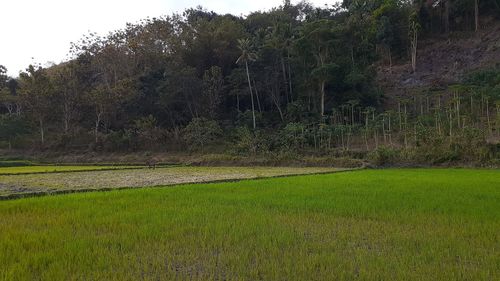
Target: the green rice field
(394, 224)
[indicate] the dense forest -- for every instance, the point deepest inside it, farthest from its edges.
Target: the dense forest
(295, 80)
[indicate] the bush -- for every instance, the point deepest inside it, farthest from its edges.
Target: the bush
(383, 156)
(200, 132)
(148, 134)
(122, 140)
(252, 142)
(293, 136)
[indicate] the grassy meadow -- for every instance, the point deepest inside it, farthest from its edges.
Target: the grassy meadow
(416, 224)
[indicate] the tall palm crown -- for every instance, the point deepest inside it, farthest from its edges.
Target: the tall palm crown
(247, 55)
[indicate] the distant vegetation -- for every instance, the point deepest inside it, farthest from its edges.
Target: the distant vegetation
(294, 80)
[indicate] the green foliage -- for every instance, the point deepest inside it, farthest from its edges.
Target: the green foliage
(121, 140)
(293, 136)
(251, 142)
(383, 156)
(12, 127)
(200, 132)
(303, 78)
(147, 131)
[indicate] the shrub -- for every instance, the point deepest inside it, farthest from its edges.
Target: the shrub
(147, 132)
(293, 136)
(122, 140)
(252, 142)
(200, 132)
(384, 156)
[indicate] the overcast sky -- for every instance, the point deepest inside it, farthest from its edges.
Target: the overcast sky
(40, 31)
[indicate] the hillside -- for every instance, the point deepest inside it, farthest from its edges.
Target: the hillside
(442, 61)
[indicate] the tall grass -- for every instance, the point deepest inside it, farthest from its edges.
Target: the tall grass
(428, 224)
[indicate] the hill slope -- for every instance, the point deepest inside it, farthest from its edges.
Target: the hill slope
(442, 61)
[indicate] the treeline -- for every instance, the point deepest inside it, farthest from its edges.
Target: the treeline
(293, 77)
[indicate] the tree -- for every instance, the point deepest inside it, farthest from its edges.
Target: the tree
(317, 41)
(476, 15)
(3, 77)
(385, 36)
(146, 130)
(37, 94)
(8, 97)
(113, 82)
(106, 100)
(413, 28)
(247, 55)
(11, 127)
(69, 90)
(212, 89)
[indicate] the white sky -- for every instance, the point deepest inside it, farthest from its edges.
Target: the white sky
(40, 31)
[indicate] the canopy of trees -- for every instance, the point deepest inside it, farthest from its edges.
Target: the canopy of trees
(289, 68)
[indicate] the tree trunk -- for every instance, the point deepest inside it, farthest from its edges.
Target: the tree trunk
(488, 116)
(257, 96)
(290, 77)
(399, 114)
(390, 60)
(446, 16)
(366, 132)
(237, 101)
(451, 123)
(406, 126)
(66, 118)
(383, 129)
(476, 14)
(414, 45)
(96, 128)
(283, 69)
(42, 133)
(352, 55)
(251, 95)
(322, 105)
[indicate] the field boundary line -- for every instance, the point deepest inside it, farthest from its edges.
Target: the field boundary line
(85, 170)
(15, 196)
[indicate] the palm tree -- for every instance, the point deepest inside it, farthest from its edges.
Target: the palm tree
(247, 55)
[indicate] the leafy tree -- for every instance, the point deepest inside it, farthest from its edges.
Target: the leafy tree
(37, 95)
(11, 127)
(213, 81)
(147, 130)
(318, 41)
(8, 97)
(68, 87)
